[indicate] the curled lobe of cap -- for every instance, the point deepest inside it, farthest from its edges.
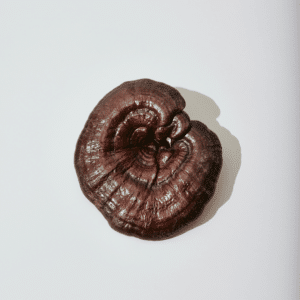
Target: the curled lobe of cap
(143, 163)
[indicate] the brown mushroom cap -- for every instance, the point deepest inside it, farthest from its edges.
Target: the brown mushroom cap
(144, 165)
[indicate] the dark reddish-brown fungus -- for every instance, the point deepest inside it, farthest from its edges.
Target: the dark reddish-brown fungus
(143, 163)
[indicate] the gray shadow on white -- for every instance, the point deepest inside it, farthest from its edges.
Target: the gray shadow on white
(207, 112)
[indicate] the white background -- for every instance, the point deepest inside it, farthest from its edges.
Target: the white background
(235, 62)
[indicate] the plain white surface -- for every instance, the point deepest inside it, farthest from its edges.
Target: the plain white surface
(235, 62)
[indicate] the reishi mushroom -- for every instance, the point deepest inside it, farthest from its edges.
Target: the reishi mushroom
(142, 162)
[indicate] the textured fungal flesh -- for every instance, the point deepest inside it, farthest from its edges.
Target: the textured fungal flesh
(142, 162)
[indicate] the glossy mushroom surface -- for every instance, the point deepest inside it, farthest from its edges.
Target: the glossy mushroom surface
(143, 163)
